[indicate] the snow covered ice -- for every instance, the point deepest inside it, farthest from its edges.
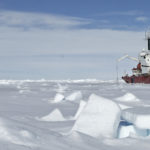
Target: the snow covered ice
(55, 115)
(75, 97)
(129, 130)
(100, 117)
(139, 116)
(58, 98)
(64, 115)
(128, 97)
(80, 109)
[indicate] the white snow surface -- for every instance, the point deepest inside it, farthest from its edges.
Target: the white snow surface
(29, 121)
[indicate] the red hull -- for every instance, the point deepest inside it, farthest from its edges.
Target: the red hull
(137, 79)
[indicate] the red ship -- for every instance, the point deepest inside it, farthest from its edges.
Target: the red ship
(137, 79)
(141, 74)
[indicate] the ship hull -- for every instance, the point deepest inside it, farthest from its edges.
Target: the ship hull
(137, 79)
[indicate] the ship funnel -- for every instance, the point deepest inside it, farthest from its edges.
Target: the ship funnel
(148, 43)
(147, 35)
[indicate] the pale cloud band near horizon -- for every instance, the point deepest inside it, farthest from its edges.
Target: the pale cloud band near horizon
(33, 34)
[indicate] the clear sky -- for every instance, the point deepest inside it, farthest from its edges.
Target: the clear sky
(66, 39)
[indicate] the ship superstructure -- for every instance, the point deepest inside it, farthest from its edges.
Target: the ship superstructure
(141, 73)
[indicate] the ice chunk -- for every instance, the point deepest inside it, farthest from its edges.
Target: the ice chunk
(81, 107)
(139, 116)
(122, 106)
(100, 117)
(76, 96)
(58, 98)
(55, 115)
(128, 97)
(61, 88)
(128, 130)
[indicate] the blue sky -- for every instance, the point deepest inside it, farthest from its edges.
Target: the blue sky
(117, 14)
(66, 39)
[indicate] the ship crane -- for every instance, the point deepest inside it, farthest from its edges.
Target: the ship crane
(122, 58)
(127, 56)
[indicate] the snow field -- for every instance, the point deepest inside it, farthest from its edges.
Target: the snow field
(84, 122)
(86, 111)
(15, 134)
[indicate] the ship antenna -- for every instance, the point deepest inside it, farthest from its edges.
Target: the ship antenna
(117, 79)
